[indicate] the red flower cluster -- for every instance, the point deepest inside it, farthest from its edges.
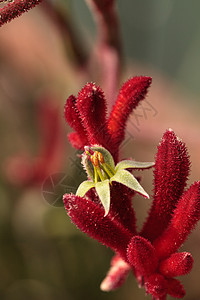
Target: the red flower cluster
(151, 254)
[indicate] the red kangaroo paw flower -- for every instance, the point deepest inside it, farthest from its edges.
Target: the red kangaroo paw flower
(141, 255)
(186, 215)
(131, 93)
(175, 288)
(92, 108)
(15, 9)
(117, 274)
(72, 116)
(174, 213)
(89, 217)
(170, 175)
(176, 265)
(156, 285)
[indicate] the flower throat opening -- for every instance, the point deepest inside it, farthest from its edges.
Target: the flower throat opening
(102, 170)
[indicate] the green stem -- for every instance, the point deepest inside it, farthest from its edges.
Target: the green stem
(95, 175)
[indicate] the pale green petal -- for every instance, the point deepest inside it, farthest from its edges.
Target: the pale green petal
(126, 164)
(103, 191)
(126, 178)
(106, 155)
(84, 187)
(86, 165)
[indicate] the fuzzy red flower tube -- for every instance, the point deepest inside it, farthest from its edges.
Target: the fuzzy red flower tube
(15, 9)
(102, 206)
(168, 186)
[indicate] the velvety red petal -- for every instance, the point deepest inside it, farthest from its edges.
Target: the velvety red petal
(73, 118)
(141, 255)
(175, 288)
(176, 265)
(170, 175)
(76, 140)
(116, 275)
(121, 206)
(186, 215)
(89, 217)
(92, 107)
(156, 285)
(132, 92)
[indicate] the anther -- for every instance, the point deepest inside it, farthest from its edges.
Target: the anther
(100, 157)
(94, 160)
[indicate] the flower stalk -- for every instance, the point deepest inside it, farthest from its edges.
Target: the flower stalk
(108, 47)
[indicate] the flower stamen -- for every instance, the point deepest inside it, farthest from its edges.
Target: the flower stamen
(101, 168)
(97, 161)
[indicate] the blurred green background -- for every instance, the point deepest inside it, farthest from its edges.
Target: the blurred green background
(161, 34)
(42, 255)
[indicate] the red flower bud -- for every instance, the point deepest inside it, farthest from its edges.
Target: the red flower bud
(177, 264)
(156, 285)
(175, 288)
(141, 255)
(116, 276)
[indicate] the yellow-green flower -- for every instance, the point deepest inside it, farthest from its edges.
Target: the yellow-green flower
(102, 172)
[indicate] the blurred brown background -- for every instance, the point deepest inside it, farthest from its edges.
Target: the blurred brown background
(42, 255)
